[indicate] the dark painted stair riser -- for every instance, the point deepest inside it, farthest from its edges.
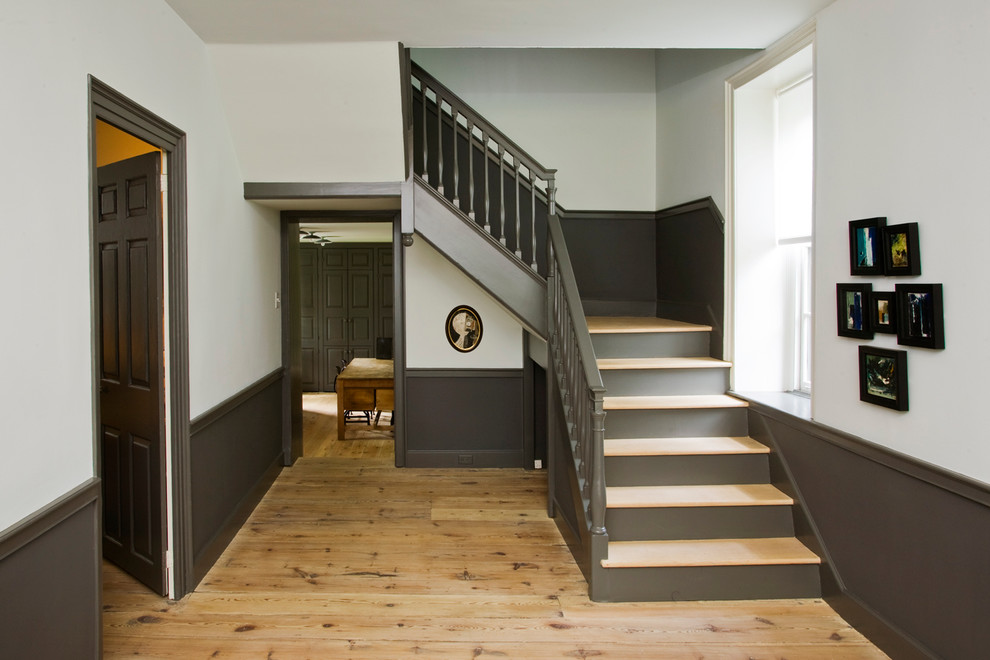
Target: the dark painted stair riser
(687, 470)
(711, 522)
(700, 422)
(665, 382)
(714, 583)
(664, 344)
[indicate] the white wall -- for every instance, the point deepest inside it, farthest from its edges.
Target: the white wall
(434, 287)
(144, 51)
(588, 113)
(314, 112)
(690, 147)
(903, 132)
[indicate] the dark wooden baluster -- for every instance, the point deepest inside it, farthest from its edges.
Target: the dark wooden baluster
(488, 204)
(518, 216)
(439, 144)
(501, 188)
(532, 217)
(470, 127)
(426, 142)
(457, 189)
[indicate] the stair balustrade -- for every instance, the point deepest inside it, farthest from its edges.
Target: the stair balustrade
(574, 378)
(479, 169)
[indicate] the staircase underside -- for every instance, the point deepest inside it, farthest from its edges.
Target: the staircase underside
(691, 513)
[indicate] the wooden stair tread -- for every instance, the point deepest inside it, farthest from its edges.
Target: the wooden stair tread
(606, 364)
(672, 402)
(708, 552)
(683, 446)
(643, 497)
(638, 324)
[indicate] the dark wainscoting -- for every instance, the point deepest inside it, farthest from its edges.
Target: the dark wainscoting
(614, 259)
(236, 455)
(691, 266)
(467, 418)
(904, 543)
(50, 580)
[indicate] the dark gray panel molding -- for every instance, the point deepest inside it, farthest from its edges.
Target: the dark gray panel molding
(466, 418)
(50, 578)
(257, 190)
(706, 204)
(903, 543)
(236, 455)
(641, 216)
(221, 410)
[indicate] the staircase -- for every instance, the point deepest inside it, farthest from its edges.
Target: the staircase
(652, 478)
(690, 513)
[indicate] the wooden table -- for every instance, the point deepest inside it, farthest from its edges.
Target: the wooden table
(364, 384)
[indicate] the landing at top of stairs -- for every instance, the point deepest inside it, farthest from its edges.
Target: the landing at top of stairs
(633, 324)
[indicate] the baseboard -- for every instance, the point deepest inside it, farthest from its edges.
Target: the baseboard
(50, 580)
(463, 459)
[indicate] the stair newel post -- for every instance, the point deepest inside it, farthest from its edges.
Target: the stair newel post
(457, 171)
(518, 166)
(598, 461)
(439, 143)
(501, 189)
(470, 151)
(552, 192)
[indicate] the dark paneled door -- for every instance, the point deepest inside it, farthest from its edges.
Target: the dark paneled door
(131, 402)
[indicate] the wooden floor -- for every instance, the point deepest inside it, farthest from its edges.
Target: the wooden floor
(360, 440)
(349, 557)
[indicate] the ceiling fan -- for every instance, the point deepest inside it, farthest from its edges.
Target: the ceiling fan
(319, 238)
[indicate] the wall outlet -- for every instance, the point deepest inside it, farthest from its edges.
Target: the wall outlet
(538, 464)
(465, 459)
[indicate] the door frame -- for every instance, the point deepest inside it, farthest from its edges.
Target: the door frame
(110, 106)
(292, 436)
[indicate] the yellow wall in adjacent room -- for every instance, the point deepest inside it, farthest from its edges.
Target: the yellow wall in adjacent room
(113, 144)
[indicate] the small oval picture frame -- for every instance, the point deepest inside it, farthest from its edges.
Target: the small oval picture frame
(464, 329)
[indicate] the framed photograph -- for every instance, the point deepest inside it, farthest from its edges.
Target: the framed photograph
(901, 253)
(883, 379)
(883, 312)
(920, 321)
(852, 302)
(463, 329)
(866, 246)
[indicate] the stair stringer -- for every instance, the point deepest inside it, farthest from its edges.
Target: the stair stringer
(517, 287)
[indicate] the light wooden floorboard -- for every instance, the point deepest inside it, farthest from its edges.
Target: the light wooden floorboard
(349, 557)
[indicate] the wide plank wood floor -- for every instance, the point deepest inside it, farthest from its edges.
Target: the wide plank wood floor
(353, 558)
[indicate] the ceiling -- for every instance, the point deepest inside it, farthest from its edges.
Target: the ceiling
(501, 23)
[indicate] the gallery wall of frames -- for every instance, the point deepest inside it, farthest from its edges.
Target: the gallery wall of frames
(912, 311)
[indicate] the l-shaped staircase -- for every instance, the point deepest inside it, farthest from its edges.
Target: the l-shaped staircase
(653, 479)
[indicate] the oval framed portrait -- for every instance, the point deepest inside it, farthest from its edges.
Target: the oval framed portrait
(464, 329)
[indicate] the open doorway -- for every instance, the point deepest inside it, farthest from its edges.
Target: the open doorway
(341, 275)
(140, 338)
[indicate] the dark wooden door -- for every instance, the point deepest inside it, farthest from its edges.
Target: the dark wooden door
(131, 402)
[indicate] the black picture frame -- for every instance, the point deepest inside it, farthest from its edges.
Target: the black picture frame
(866, 246)
(883, 377)
(901, 250)
(852, 303)
(883, 312)
(920, 318)
(463, 329)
